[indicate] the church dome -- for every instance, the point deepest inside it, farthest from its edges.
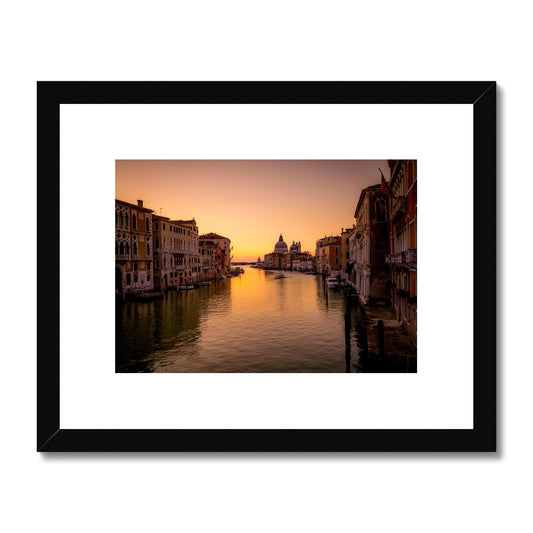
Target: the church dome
(294, 247)
(280, 247)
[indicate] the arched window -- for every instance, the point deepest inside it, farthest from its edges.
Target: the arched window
(134, 221)
(121, 248)
(127, 248)
(147, 224)
(116, 247)
(134, 248)
(147, 249)
(156, 244)
(121, 218)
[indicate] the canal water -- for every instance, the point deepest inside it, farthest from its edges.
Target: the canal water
(260, 321)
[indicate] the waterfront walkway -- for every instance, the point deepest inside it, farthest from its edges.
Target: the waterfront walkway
(398, 350)
(396, 341)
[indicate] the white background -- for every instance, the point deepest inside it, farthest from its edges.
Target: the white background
(249, 492)
(99, 134)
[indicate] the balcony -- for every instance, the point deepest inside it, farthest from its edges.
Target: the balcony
(122, 257)
(395, 259)
(402, 258)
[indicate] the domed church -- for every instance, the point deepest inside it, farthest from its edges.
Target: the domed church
(284, 259)
(280, 247)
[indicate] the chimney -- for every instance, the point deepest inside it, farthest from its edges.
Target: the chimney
(139, 203)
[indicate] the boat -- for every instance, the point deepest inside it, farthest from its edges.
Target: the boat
(204, 283)
(332, 282)
(186, 287)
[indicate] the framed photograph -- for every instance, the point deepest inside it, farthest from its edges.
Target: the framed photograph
(280, 279)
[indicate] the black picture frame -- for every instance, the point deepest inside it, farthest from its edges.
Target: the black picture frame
(482, 437)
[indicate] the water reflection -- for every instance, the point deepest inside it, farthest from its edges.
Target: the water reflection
(258, 322)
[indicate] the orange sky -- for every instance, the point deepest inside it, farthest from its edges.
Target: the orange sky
(252, 201)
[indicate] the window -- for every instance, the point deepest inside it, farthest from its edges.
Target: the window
(148, 277)
(147, 224)
(135, 278)
(135, 267)
(128, 279)
(134, 221)
(157, 225)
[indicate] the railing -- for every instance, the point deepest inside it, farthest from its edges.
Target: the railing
(122, 257)
(407, 257)
(395, 258)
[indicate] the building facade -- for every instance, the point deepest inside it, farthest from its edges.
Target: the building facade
(224, 244)
(328, 254)
(403, 242)
(165, 253)
(345, 247)
(187, 253)
(210, 259)
(133, 248)
(368, 247)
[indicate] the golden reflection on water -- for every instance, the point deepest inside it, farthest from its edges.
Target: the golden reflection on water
(256, 322)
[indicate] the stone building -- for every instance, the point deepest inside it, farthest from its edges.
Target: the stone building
(328, 254)
(210, 255)
(187, 254)
(165, 236)
(402, 198)
(345, 247)
(133, 248)
(285, 258)
(368, 247)
(225, 250)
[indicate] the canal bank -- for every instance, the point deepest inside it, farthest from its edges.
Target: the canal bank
(387, 347)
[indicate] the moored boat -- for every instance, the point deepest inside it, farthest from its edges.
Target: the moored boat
(332, 282)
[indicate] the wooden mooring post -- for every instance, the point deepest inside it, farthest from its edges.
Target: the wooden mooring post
(381, 338)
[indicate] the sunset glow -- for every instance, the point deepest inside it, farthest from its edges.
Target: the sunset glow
(251, 201)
